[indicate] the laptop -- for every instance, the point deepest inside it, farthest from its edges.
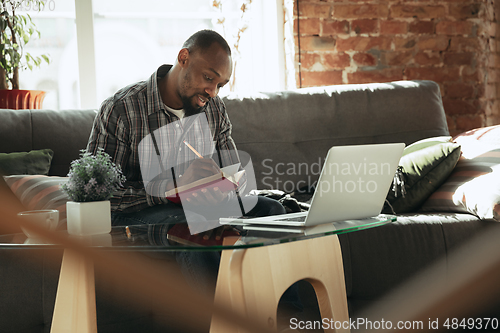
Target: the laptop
(353, 185)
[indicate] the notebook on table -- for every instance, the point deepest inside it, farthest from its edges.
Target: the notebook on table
(352, 186)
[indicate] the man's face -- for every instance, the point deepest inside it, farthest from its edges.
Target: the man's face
(204, 73)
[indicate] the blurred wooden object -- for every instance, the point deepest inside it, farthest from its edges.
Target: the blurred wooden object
(252, 280)
(75, 308)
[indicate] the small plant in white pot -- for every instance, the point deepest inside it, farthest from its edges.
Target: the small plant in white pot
(92, 181)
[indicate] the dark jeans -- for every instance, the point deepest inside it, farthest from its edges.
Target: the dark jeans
(201, 268)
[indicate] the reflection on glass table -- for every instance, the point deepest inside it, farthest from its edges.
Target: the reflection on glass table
(156, 238)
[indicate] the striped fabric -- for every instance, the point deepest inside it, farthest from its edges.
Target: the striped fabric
(40, 192)
(474, 185)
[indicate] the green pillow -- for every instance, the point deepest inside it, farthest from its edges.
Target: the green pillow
(35, 162)
(424, 171)
(424, 143)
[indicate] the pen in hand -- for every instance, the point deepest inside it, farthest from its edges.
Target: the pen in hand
(192, 149)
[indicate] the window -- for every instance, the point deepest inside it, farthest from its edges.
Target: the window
(132, 39)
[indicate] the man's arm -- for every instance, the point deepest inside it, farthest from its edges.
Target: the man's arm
(111, 133)
(225, 143)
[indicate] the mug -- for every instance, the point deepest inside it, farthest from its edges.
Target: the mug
(48, 219)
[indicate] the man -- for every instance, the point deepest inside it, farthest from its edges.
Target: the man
(189, 87)
(172, 93)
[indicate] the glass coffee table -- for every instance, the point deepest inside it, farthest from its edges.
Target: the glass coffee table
(255, 271)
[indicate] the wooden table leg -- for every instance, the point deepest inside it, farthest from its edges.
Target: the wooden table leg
(75, 308)
(253, 280)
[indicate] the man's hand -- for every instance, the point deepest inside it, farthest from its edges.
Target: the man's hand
(199, 169)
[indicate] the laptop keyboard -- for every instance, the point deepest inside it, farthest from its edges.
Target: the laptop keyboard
(294, 219)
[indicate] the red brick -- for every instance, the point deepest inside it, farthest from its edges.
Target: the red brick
(393, 27)
(404, 43)
(459, 90)
(433, 43)
(363, 43)
(364, 26)
(466, 123)
(438, 74)
(464, 44)
(462, 12)
(494, 60)
(307, 26)
(312, 10)
(422, 27)
(473, 74)
(428, 58)
(457, 59)
(458, 106)
(454, 28)
(331, 27)
(397, 58)
(316, 43)
(361, 11)
(314, 79)
(337, 60)
(492, 108)
(385, 75)
(364, 59)
(308, 60)
(490, 91)
(479, 92)
(421, 12)
(451, 125)
(492, 29)
(494, 77)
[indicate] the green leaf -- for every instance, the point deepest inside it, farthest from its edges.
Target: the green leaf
(46, 58)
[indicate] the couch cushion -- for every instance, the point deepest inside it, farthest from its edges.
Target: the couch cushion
(40, 192)
(425, 166)
(66, 132)
(474, 185)
(288, 134)
(378, 260)
(35, 162)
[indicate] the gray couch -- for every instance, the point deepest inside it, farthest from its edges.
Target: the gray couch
(277, 130)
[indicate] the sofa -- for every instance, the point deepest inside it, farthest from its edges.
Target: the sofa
(279, 131)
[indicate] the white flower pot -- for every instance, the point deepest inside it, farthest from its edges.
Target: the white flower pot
(88, 218)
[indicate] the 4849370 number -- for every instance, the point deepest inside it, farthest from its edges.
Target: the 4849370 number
(471, 323)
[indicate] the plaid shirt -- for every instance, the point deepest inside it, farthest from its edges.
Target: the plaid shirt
(136, 111)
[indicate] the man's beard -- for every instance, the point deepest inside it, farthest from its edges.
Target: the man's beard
(189, 109)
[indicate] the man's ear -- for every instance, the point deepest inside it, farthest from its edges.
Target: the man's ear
(183, 57)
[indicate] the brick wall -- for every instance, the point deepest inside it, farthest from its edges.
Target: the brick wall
(452, 42)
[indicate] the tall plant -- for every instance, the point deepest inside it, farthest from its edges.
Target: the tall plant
(233, 36)
(16, 30)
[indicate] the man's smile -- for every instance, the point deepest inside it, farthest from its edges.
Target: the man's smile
(202, 101)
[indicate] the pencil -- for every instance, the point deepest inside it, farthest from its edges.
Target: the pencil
(193, 150)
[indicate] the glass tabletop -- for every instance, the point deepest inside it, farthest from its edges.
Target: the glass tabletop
(156, 238)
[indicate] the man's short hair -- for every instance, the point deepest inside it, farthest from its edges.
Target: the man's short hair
(203, 39)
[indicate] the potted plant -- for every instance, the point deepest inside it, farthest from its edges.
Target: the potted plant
(16, 30)
(92, 181)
